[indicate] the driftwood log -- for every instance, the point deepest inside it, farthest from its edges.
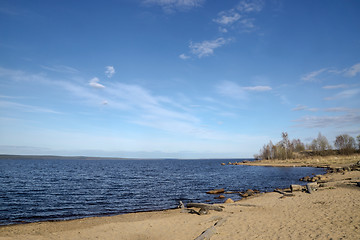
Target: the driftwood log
(204, 208)
(208, 233)
(311, 187)
(295, 187)
(284, 193)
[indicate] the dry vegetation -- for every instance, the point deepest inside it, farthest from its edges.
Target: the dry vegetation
(310, 161)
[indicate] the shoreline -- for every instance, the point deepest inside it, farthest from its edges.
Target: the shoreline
(336, 202)
(337, 161)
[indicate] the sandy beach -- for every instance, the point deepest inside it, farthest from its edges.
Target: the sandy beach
(332, 212)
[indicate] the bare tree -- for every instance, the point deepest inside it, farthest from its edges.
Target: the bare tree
(345, 144)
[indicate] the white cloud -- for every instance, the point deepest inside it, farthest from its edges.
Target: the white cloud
(223, 30)
(110, 71)
(26, 107)
(326, 121)
(352, 71)
(250, 6)
(338, 109)
(344, 94)
(170, 5)
(240, 15)
(61, 69)
(312, 76)
(335, 86)
(94, 82)
(206, 48)
(184, 56)
(300, 108)
(258, 88)
(227, 17)
(231, 90)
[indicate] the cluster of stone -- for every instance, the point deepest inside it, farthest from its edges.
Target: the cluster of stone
(236, 163)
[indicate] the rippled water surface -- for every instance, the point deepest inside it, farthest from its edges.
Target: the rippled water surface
(39, 190)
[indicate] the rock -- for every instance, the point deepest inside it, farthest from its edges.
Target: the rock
(216, 191)
(220, 197)
(223, 164)
(229, 200)
(305, 179)
(250, 191)
(244, 194)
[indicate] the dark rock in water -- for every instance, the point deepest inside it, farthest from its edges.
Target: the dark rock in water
(220, 197)
(305, 179)
(216, 191)
(249, 193)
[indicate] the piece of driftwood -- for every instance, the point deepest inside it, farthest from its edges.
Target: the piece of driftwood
(208, 233)
(295, 187)
(311, 187)
(204, 206)
(284, 193)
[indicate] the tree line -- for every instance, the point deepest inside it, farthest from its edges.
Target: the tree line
(288, 149)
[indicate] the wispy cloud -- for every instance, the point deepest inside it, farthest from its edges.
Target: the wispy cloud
(170, 6)
(239, 15)
(346, 72)
(94, 82)
(60, 69)
(258, 88)
(233, 90)
(327, 121)
(344, 94)
(338, 109)
(26, 107)
(227, 17)
(250, 5)
(352, 71)
(110, 71)
(305, 108)
(313, 75)
(206, 48)
(299, 108)
(335, 86)
(184, 56)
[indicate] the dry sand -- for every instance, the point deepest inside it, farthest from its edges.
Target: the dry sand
(332, 212)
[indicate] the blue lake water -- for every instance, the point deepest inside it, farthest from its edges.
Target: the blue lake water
(40, 190)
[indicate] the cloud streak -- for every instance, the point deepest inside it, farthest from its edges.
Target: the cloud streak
(328, 121)
(170, 6)
(110, 71)
(94, 82)
(206, 48)
(239, 15)
(344, 94)
(352, 71)
(312, 76)
(233, 90)
(26, 107)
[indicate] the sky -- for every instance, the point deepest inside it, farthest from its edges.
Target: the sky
(176, 78)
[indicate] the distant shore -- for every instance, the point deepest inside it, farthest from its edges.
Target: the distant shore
(330, 212)
(336, 161)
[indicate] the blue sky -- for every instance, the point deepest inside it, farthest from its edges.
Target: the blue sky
(175, 78)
